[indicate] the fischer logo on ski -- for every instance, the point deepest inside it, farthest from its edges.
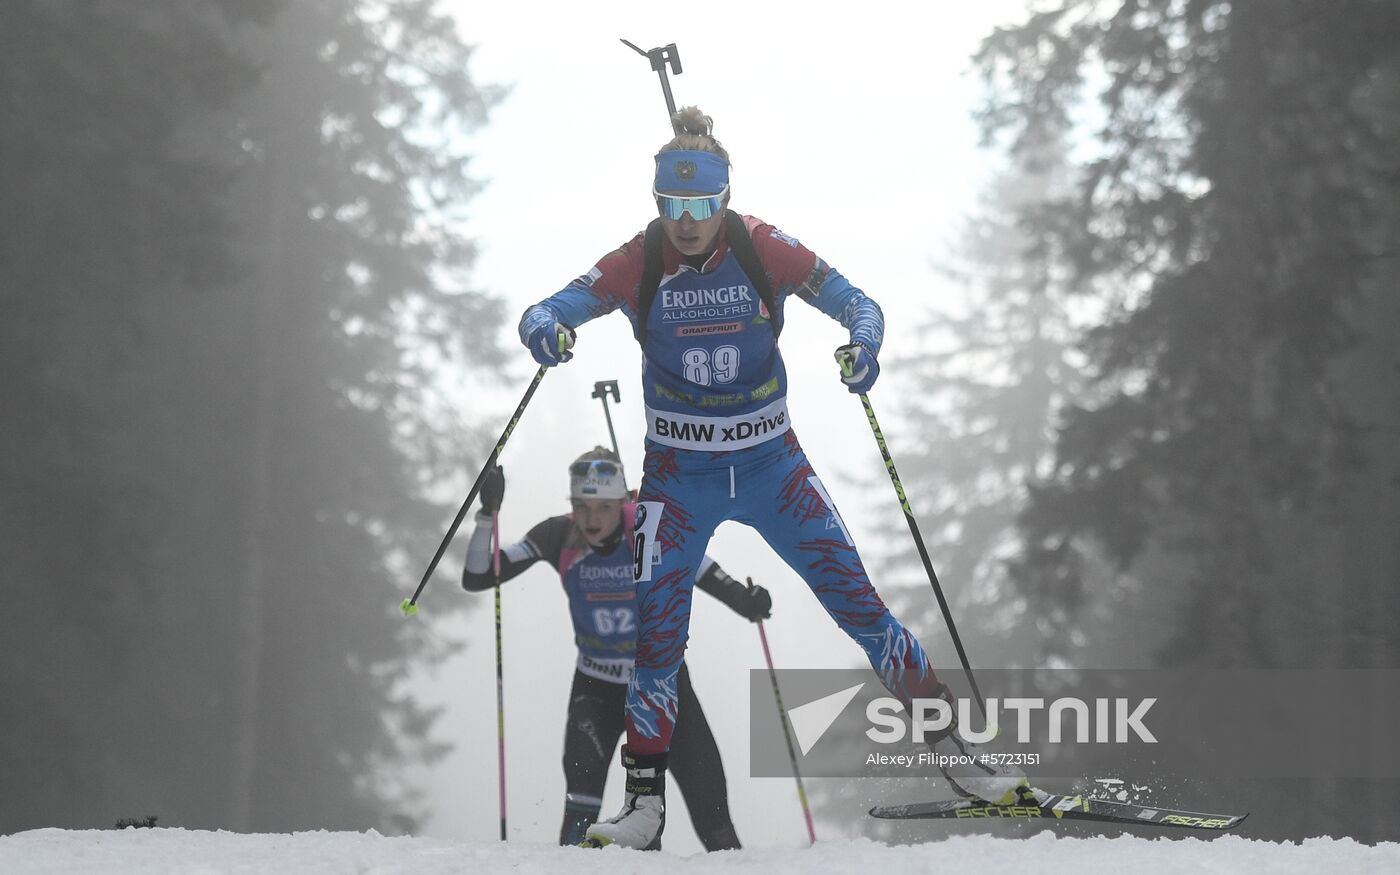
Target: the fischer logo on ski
(1061, 808)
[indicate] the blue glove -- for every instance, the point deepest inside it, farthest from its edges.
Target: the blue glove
(863, 367)
(545, 347)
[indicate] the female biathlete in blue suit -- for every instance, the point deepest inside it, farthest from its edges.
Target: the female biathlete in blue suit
(705, 291)
(589, 548)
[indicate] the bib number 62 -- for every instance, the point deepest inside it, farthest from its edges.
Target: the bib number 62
(610, 620)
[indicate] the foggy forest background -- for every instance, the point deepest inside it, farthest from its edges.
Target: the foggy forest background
(1161, 429)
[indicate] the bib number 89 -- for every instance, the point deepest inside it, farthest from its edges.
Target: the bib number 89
(704, 368)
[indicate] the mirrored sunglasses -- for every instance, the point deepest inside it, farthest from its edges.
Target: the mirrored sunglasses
(700, 208)
(602, 467)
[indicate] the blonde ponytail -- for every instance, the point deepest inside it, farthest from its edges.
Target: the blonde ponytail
(695, 133)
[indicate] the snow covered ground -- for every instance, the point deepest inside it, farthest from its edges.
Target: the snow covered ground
(190, 852)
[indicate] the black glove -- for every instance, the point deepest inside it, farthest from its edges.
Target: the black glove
(493, 489)
(756, 605)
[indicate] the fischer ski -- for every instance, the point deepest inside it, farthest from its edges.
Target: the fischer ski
(1061, 808)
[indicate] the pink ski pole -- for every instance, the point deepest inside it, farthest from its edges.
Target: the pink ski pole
(500, 682)
(787, 734)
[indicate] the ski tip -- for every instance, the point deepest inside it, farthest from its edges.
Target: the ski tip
(408, 607)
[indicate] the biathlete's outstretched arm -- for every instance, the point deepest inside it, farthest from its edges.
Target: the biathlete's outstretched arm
(544, 541)
(477, 575)
(856, 311)
(562, 312)
(796, 270)
(862, 317)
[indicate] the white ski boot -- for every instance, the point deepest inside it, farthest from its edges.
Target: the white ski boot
(976, 773)
(643, 816)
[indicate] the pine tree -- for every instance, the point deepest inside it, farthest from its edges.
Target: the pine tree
(232, 277)
(350, 196)
(986, 382)
(1240, 202)
(981, 393)
(1230, 206)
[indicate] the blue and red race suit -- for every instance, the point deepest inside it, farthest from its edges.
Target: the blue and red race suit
(720, 446)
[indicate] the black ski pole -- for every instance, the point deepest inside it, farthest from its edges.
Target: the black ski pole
(844, 358)
(602, 389)
(409, 606)
(660, 57)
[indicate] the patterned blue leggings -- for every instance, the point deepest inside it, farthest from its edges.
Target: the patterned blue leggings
(684, 496)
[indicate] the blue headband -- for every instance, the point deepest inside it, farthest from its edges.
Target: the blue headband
(701, 172)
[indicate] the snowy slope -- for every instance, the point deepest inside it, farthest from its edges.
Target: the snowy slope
(189, 852)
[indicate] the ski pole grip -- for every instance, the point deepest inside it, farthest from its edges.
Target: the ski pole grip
(846, 360)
